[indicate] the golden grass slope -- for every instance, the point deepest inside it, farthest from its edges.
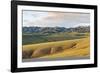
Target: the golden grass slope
(59, 49)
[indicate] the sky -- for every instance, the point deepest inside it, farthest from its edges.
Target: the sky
(55, 19)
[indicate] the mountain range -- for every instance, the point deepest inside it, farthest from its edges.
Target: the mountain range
(36, 29)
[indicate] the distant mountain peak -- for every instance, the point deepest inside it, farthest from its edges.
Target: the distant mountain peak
(55, 29)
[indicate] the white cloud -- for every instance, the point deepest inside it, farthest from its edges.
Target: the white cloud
(82, 24)
(52, 19)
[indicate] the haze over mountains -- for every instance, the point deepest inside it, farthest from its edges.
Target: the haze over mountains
(36, 29)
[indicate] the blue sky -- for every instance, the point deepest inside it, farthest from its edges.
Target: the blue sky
(55, 19)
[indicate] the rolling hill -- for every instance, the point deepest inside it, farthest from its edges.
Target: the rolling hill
(59, 49)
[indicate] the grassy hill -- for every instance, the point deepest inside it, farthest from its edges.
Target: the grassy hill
(34, 38)
(58, 49)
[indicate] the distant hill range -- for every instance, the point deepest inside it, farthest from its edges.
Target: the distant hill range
(81, 29)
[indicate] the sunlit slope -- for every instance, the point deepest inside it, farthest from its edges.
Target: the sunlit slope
(80, 50)
(59, 49)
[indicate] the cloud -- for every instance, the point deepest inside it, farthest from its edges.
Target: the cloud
(52, 19)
